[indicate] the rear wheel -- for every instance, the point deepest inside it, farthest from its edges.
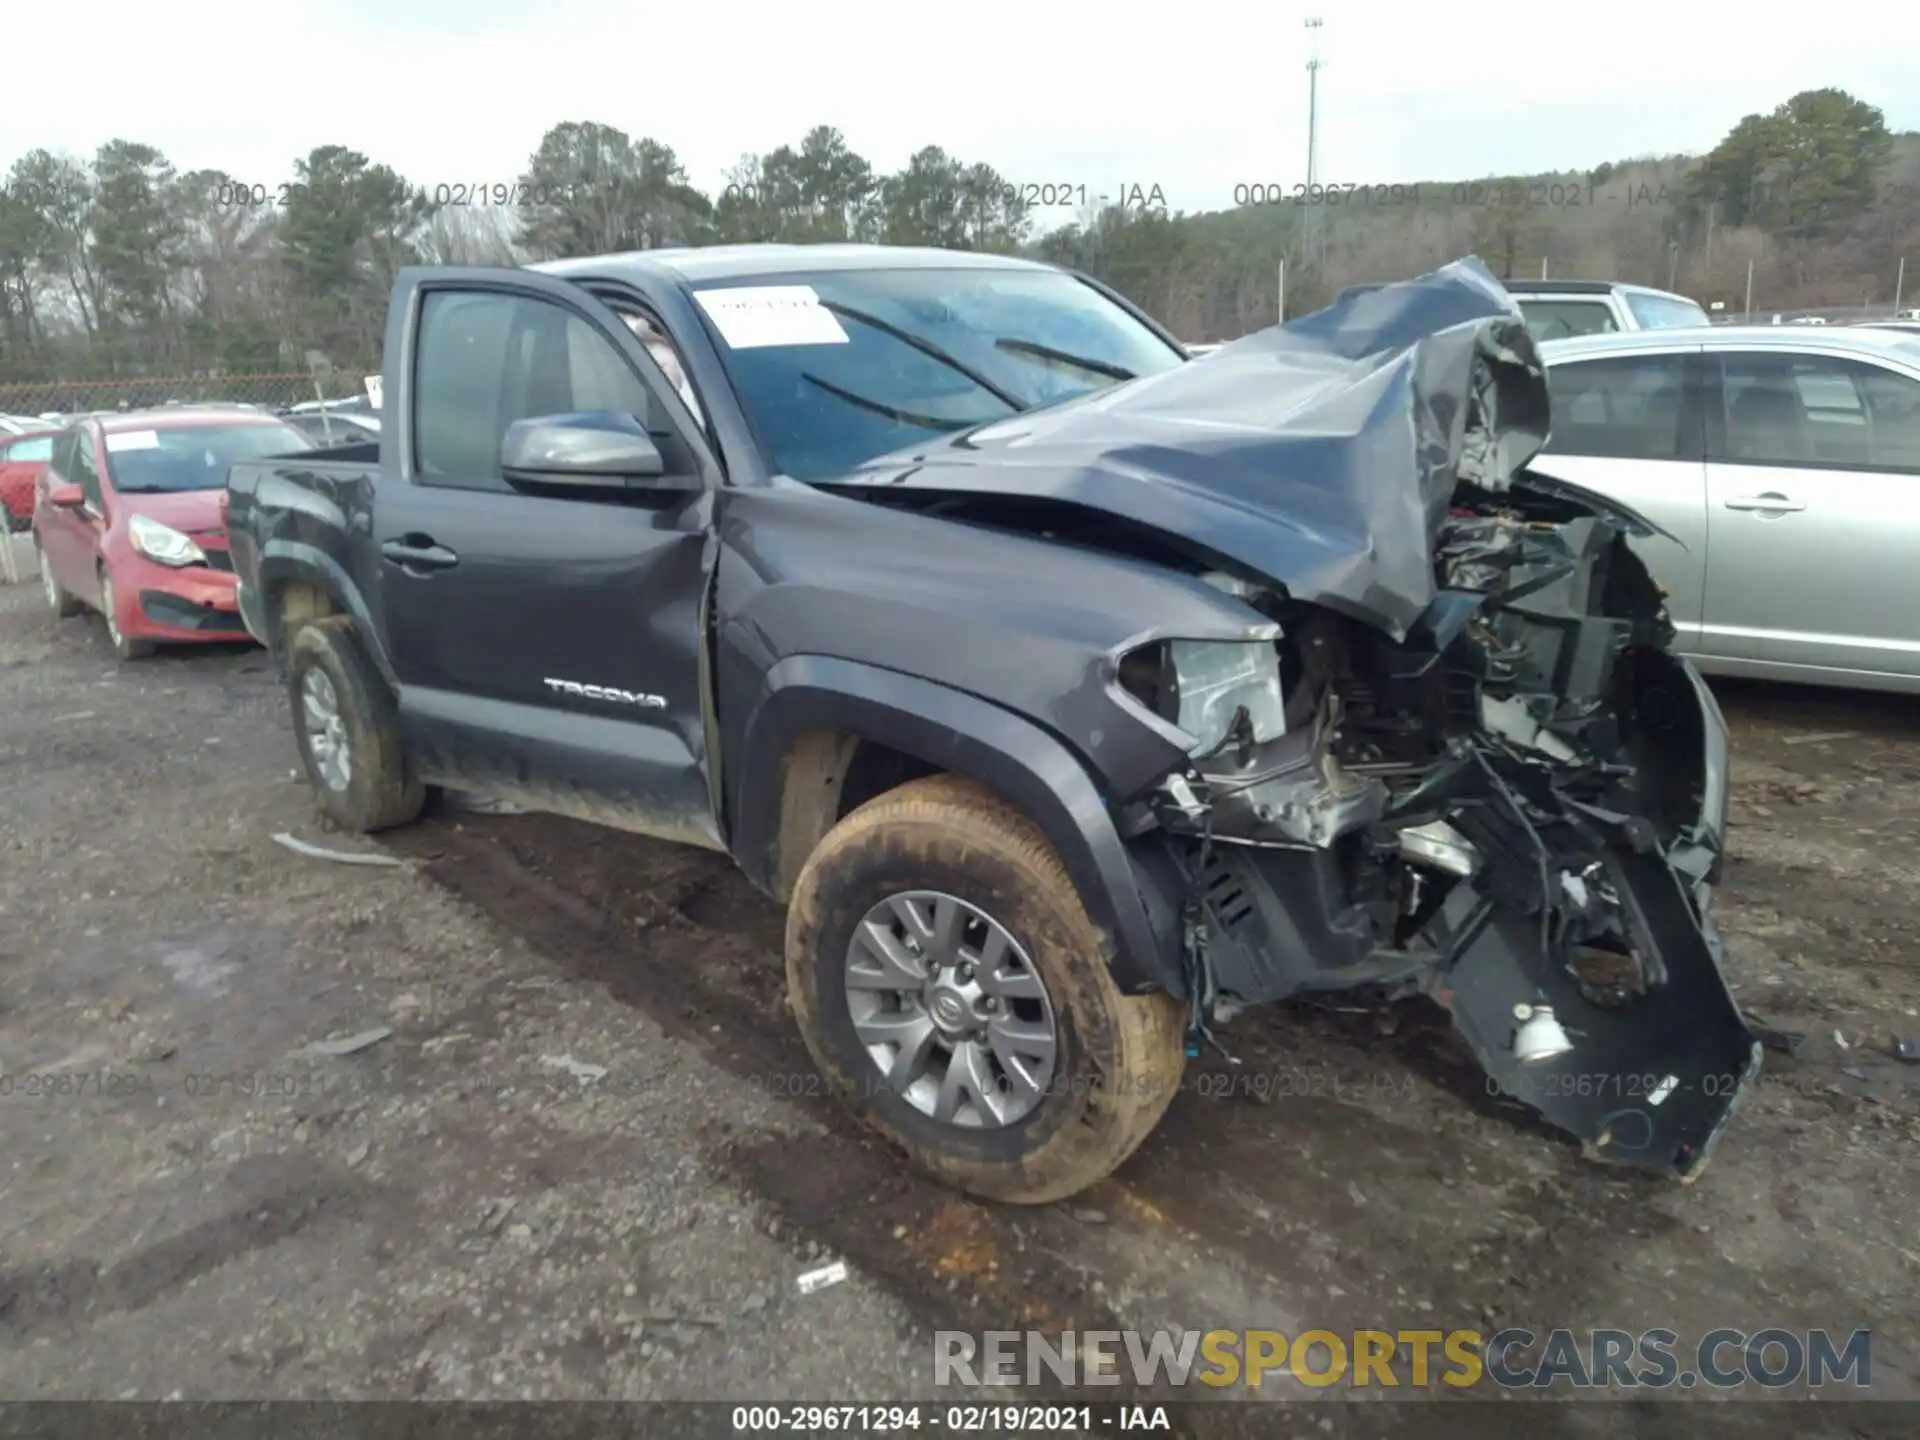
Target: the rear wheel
(62, 604)
(950, 986)
(109, 608)
(348, 730)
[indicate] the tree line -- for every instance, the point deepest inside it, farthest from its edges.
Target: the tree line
(120, 265)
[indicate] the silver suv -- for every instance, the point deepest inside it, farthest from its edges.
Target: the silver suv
(1561, 309)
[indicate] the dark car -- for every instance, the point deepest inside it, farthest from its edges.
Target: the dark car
(1070, 694)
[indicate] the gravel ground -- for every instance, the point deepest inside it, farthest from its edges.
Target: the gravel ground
(192, 1200)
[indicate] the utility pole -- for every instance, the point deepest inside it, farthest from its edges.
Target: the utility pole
(1899, 284)
(1314, 62)
(1749, 314)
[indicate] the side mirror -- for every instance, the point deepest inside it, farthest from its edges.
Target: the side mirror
(67, 497)
(594, 449)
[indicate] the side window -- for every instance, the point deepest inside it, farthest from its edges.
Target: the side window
(1628, 407)
(29, 451)
(1893, 418)
(485, 360)
(1818, 410)
(61, 461)
(459, 369)
(1561, 319)
(85, 473)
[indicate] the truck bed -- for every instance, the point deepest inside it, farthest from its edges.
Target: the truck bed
(294, 504)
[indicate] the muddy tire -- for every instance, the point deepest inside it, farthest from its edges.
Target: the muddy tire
(60, 600)
(1116, 1060)
(347, 728)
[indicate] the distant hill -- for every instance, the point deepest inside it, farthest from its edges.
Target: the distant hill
(1215, 274)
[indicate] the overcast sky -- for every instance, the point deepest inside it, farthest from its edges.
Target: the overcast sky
(1195, 97)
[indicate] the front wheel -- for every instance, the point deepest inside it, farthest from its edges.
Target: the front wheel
(951, 988)
(348, 729)
(125, 648)
(59, 599)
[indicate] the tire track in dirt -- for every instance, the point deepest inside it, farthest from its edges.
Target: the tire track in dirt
(937, 1251)
(296, 1198)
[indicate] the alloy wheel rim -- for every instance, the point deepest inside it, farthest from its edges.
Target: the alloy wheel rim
(951, 1010)
(326, 730)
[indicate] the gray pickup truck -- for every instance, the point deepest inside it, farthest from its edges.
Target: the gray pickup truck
(1071, 695)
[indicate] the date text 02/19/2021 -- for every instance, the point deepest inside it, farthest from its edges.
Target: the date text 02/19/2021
(950, 1419)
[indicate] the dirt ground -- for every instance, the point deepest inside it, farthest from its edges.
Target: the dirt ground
(193, 1202)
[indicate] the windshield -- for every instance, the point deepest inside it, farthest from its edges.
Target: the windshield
(854, 364)
(191, 457)
(1664, 312)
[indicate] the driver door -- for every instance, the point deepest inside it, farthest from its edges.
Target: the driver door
(70, 534)
(548, 640)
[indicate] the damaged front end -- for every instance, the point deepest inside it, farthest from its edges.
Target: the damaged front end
(1516, 806)
(1469, 765)
(1519, 810)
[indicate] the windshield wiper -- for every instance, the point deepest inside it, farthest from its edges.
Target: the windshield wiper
(1081, 362)
(927, 348)
(878, 407)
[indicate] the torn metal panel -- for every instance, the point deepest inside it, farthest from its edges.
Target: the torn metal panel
(1321, 455)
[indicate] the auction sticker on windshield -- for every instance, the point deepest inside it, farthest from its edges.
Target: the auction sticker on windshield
(753, 317)
(132, 440)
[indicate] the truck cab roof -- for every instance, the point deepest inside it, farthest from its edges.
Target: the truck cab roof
(702, 264)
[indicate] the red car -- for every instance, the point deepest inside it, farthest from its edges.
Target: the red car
(22, 458)
(129, 520)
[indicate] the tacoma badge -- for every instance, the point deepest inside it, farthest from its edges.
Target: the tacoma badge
(608, 692)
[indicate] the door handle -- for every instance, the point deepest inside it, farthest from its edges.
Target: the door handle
(1771, 501)
(419, 552)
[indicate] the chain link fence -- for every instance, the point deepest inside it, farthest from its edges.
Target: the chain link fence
(268, 391)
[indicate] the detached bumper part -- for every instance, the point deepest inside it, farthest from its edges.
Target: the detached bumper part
(1649, 1083)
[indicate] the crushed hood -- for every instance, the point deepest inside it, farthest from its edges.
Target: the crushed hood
(1321, 455)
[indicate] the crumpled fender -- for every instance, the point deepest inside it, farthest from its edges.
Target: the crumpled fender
(964, 735)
